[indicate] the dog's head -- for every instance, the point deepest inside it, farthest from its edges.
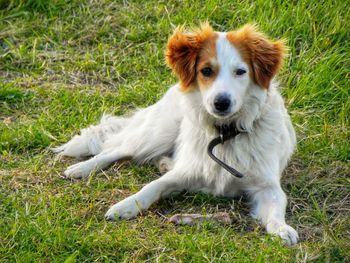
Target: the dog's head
(223, 66)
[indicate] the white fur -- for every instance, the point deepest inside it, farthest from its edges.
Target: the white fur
(183, 124)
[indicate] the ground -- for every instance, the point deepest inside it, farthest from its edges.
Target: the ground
(63, 63)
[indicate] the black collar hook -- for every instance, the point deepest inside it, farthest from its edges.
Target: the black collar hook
(226, 132)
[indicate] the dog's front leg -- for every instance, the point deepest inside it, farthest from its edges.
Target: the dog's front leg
(269, 205)
(142, 200)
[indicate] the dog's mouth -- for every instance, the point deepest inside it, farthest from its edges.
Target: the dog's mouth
(223, 117)
(219, 118)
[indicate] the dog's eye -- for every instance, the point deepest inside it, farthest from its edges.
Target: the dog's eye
(240, 72)
(207, 72)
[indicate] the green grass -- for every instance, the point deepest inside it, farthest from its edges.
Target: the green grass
(60, 59)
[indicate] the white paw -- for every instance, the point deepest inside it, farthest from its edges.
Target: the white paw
(165, 164)
(58, 149)
(287, 233)
(126, 209)
(79, 170)
(77, 147)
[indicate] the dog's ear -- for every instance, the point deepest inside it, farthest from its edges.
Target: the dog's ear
(182, 52)
(264, 56)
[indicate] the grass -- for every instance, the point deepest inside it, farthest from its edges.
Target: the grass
(63, 63)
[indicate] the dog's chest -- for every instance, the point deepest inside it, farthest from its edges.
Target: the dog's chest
(208, 176)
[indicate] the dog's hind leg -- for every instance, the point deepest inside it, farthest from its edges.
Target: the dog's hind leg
(90, 141)
(96, 163)
(148, 134)
(141, 145)
(164, 164)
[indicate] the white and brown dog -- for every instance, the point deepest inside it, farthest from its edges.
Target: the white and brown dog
(224, 79)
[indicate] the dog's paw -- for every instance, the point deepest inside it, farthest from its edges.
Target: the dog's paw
(79, 170)
(58, 149)
(77, 147)
(165, 164)
(126, 209)
(288, 234)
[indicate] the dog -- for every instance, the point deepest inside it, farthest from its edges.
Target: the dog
(224, 79)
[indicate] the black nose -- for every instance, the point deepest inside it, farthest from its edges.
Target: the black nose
(222, 103)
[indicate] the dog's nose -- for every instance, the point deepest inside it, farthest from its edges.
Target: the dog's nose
(222, 103)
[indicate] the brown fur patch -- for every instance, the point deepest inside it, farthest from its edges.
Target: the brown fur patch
(182, 52)
(263, 55)
(207, 58)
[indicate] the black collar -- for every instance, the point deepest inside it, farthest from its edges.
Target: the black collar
(226, 132)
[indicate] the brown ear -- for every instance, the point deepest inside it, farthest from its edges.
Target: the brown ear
(182, 52)
(265, 56)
